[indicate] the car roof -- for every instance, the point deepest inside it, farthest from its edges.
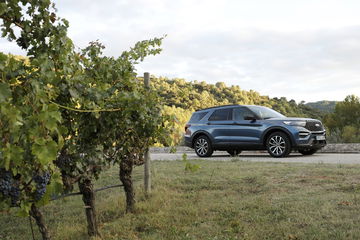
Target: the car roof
(222, 106)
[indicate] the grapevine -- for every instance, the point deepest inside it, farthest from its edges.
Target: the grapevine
(66, 115)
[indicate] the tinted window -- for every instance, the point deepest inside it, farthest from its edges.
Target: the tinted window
(197, 116)
(243, 114)
(221, 115)
(265, 113)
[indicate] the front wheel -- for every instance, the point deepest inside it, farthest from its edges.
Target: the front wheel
(307, 151)
(203, 146)
(278, 145)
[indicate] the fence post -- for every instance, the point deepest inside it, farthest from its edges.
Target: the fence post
(147, 172)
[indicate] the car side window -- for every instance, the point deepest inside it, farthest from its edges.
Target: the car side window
(241, 114)
(197, 116)
(221, 115)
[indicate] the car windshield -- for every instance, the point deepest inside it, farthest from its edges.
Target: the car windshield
(265, 113)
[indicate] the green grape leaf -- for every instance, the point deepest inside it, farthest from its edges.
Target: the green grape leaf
(5, 92)
(3, 8)
(12, 154)
(45, 153)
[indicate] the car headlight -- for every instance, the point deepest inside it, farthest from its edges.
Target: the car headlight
(296, 123)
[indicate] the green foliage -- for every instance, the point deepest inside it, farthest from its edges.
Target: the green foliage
(108, 112)
(30, 124)
(344, 122)
(189, 167)
(324, 106)
(173, 149)
(177, 123)
(351, 134)
(65, 112)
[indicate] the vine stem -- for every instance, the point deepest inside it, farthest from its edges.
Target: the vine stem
(32, 229)
(87, 110)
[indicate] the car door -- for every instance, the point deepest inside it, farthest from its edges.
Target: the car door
(220, 124)
(247, 128)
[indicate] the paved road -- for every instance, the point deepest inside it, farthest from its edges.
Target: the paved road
(335, 158)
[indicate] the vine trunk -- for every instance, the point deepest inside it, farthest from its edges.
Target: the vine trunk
(88, 196)
(39, 218)
(126, 167)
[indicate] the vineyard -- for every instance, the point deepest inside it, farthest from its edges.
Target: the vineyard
(67, 114)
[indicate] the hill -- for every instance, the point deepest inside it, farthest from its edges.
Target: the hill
(323, 106)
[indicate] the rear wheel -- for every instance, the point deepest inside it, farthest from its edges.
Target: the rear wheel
(234, 153)
(278, 145)
(203, 146)
(307, 151)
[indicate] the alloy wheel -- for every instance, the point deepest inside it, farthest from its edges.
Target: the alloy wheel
(203, 146)
(277, 145)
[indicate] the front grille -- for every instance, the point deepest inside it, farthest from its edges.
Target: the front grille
(314, 126)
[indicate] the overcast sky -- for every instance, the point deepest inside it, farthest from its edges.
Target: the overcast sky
(301, 49)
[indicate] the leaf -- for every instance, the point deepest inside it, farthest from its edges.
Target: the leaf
(12, 154)
(74, 93)
(55, 114)
(3, 8)
(24, 209)
(45, 153)
(5, 92)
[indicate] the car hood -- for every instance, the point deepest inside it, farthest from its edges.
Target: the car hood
(292, 119)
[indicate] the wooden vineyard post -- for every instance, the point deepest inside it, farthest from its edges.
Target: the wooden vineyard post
(147, 172)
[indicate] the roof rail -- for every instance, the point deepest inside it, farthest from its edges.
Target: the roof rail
(229, 105)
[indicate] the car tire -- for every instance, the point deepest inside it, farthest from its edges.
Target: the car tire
(233, 153)
(202, 146)
(278, 145)
(307, 151)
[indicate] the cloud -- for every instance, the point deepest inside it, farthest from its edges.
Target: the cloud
(304, 65)
(279, 48)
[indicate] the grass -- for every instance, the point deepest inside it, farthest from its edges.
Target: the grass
(222, 200)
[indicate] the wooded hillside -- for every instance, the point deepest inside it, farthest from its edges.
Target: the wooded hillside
(182, 97)
(324, 106)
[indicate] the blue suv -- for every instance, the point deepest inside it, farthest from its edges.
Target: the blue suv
(234, 128)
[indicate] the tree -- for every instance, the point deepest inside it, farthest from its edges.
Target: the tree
(344, 122)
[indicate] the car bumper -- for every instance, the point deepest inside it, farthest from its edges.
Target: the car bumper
(313, 141)
(188, 142)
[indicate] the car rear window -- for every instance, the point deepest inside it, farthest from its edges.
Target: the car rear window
(221, 115)
(197, 116)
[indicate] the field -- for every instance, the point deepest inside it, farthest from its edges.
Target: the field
(221, 200)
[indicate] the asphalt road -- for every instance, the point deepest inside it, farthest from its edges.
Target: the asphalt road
(332, 158)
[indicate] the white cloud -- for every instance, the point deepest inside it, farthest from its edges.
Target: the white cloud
(301, 49)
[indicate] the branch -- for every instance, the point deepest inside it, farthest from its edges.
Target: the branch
(87, 110)
(18, 24)
(79, 193)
